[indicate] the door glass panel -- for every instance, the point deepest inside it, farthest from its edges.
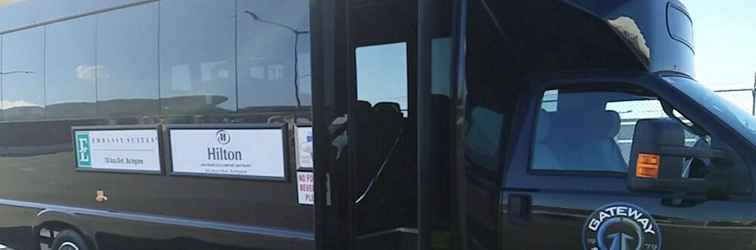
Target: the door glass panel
(441, 65)
(482, 138)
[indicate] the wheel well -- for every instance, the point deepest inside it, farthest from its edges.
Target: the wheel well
(47, 231)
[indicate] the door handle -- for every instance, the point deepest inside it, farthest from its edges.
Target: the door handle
(519, 208)
(682, 200)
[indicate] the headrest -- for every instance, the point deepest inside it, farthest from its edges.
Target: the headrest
(387, 106)
(361, 105)
(543, 125)
(440, 100)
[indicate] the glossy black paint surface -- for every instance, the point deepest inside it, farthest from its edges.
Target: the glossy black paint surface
(646, 25)
(142, 207)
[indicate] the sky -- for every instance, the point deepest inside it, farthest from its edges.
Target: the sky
(725, 42)
(3, 2)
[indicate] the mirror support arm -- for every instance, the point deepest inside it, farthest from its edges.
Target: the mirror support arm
(694, 152)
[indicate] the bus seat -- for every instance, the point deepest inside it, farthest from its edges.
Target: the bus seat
(441, 118)
(388, 123)
(599, 149)
(388, 106)
(584, 140)
(364, 143)
(389, 185)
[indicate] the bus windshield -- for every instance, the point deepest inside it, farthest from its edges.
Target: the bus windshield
(730, 113)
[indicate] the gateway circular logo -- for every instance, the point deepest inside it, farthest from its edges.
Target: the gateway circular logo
(621, 226)
(223, 137)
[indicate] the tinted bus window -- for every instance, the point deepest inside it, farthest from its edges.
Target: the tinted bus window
(16, 14)
(269, 35)
(197, 56)
(127, 58)
(23, 75)
(70, 67)
(172, 57)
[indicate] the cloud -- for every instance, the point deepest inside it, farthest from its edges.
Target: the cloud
(90, 72)
(17, 104)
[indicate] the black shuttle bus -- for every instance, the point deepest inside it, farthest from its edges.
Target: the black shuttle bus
(365, 124)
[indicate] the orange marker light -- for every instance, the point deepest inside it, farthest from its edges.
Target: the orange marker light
(647, 166)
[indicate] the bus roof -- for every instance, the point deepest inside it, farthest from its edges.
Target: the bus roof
(586, 35)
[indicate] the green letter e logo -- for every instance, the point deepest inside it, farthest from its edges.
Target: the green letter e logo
(83, 150)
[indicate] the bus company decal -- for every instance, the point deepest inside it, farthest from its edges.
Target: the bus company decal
(621, 226)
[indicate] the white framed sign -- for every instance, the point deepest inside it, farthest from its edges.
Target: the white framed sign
(304, 148)
(258, 153)
(117, 149)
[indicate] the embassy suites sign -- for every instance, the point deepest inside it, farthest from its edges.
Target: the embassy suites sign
(241, 152)
(135, 150)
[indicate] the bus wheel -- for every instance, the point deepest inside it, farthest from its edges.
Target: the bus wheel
(69, 240)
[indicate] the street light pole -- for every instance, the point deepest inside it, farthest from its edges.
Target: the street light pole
(753, 95)
(296, 33)
(16, 72)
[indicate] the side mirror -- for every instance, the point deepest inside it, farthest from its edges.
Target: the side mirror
(658, 155)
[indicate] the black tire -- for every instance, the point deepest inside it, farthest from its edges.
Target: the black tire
(69, 240)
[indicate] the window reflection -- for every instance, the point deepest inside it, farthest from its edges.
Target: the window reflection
(170, 57)
(197, 56)
(21, 13)
(483, 136)
(62, 9)
(127, 76)
(270, 34)
(23, 75)
(18, 14)
(70, 68)
(441, 65)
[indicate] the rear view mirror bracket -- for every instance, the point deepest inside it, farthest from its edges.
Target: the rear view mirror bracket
(657, 160)
(683, 151)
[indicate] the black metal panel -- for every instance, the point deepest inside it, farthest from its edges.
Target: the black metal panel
(550, 35)
(329, 31)
(426, 10)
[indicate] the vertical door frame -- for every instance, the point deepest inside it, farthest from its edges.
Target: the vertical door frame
(458, 124)
(426, 11)
(329, 39)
